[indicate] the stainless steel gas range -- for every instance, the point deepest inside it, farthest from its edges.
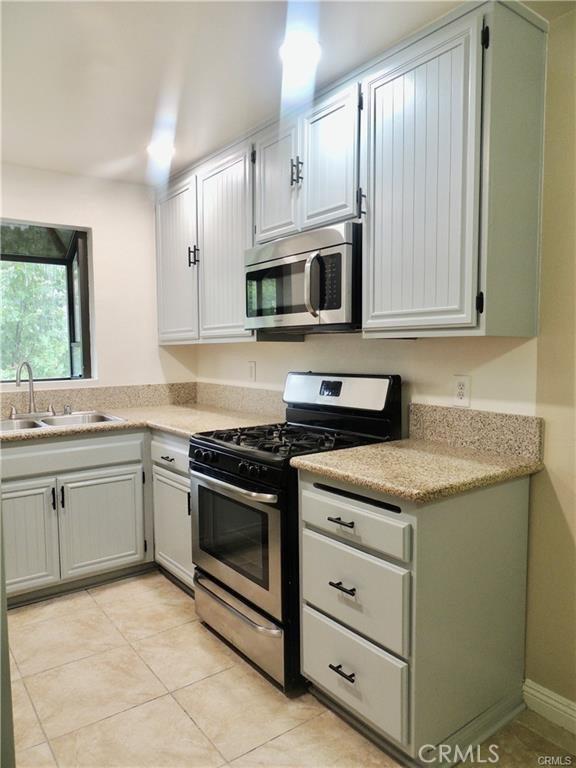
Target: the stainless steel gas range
(244, 500)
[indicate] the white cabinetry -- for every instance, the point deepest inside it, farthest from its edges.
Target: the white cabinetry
(429, 651)
(101, 521)
(453, 128)
(224, 233)
(85, 516)
(177, 270)
(307, 168)
(172, 507)
(30, 520)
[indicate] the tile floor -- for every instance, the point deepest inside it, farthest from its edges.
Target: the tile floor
(125, 676)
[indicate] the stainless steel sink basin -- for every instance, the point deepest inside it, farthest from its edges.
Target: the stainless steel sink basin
(10, 425)
(80, 417)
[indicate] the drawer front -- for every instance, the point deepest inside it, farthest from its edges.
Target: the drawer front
(378, 605)
(377, 686)
(361, 525)
(170, 455)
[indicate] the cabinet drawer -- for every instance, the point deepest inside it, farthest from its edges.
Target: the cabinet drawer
(366, 527)
(378, 605)
(170, 455)
(377, 690)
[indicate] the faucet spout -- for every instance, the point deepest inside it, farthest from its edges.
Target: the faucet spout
(31, 400)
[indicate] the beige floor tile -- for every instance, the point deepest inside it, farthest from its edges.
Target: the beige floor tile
(56, 607)
(145, 605)
(520, 747)
(14, 671)
(239, 710)
(36, 757)
(86, 691)
(183, 655)
(27, 730)
(60, 640)
(324, 742)
(154, 735)
(550, 731)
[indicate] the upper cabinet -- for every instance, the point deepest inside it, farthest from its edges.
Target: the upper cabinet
(307, 168)
(177, 275)
(452, 158)
(224, 233)
(422, 144)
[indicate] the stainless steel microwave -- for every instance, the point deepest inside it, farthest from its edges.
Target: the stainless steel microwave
(306, 282)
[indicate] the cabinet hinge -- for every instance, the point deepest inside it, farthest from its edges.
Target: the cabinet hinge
(143, 477)
(253, 156)
(480, 303)
(145, 546)
(485, 38)
(360, 99)
(360, 197)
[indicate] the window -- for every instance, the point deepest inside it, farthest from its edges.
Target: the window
(44, 301)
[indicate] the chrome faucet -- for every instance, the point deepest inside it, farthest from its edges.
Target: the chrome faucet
(31, 401)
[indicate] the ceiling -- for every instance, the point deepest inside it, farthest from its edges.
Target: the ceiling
(84, 83)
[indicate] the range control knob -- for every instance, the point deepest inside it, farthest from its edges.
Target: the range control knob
(197, 454)
(243, 468)
(208, 456)
(253, 470)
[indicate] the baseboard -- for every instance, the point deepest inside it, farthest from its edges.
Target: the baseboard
(550, 705)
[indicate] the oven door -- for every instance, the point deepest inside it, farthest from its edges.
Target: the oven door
(307, 289)
(236, 539)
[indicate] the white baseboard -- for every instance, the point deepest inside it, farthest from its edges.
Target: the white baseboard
(550, 705)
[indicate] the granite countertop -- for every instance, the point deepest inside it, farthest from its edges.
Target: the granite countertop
(176, 419)
(416, 470)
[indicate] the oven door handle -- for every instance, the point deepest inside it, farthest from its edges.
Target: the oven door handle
(263, 498)
(308, 283)
(252, 624)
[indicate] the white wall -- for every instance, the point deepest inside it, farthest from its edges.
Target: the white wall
(120, 216)
(503, 371)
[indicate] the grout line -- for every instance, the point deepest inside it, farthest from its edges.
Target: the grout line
(189, 716)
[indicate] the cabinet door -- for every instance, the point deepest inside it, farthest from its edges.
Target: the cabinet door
(276, 193)
(177, 274)
(422, 141)
(330, 159)
(30, 520)
(172, 524)
(101, 519)
(224, 229)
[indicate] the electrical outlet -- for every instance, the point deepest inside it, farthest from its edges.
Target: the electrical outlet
(251, 370)
(462, 391)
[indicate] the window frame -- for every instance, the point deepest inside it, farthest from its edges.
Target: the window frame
(77, 249)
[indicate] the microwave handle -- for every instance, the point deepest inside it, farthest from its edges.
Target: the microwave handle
(308, 283)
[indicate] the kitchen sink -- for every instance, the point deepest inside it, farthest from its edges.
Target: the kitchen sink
(81, 417)
(12, 424)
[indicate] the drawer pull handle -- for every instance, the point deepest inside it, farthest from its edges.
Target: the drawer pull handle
(338, 585)
(338, 669)
(167, 458)
(339, 521)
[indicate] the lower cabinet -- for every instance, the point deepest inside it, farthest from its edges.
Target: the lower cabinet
(100, 519)
(70, 525)
(30, 520)
(172, 524)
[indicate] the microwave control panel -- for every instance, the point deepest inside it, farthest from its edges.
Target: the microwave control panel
(331, 281)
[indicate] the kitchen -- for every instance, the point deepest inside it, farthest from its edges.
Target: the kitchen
(415, 202)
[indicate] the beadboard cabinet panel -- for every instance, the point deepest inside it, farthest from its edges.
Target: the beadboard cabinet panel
(172, 524)
(224, 230)
(177, 272)
(329, 144)
(422, 143)
(276, 213)
(30, 521)
(101, 519)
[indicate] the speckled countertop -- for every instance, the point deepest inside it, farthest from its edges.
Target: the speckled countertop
(416, 470)
(176, 419)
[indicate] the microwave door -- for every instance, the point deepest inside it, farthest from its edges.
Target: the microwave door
(283, 292)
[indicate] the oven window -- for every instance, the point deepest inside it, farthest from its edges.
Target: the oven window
(275, 290)
(234, 533)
